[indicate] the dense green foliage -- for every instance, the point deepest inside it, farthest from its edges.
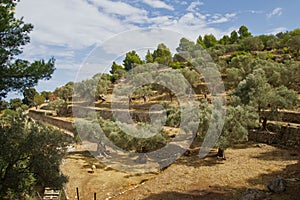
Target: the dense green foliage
(91, 89)
(65, 92)
(117, 71)
(30, 156)
(17, 74)
(32, 97)
(60, 106)
(131, 60)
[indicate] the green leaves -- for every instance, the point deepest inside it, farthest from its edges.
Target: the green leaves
(30, 155)
(91, 131)
(243, 32)
(65, 92)
(209, 41)
(17, 74)
(60, 106)
(162, 55)
(117, 71)
(131, 59)
(90, 89)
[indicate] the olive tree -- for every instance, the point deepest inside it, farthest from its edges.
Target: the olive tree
(255, 91)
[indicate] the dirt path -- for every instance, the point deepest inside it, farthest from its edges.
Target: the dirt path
(247, 166)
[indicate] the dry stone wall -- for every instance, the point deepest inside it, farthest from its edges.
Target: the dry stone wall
(60, 123)
(283, 135)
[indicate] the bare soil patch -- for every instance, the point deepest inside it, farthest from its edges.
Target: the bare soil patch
(249, 165)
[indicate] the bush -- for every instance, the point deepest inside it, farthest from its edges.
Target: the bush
(130, 143)
(231, 48)
(173, 117)
(59, 106)
(265, 56)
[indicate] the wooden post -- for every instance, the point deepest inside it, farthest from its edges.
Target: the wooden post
(95, 196)
(77, 193)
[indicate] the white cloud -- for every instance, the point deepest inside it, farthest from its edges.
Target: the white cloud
(275, 12)
(193, 6)
(66, 29)
(192, 25)
(118, 8)
(38, 50)
(255, 11)
(277, 30)
(158, 4)
(218, 18)
(71, 23)
(75, 24)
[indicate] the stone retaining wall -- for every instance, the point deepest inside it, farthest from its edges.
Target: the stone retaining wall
(135, 115)
(285, 116)
(282, 135)
(41, 116)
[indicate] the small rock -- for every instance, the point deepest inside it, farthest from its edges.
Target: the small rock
(142, 159)
(253, 194)
(277, 185)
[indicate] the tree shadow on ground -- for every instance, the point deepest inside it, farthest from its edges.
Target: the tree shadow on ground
(292, 176)
(194, 160)
(212, 193)
(279, 153)
(274, 153)
(291, 172)
(244, 145)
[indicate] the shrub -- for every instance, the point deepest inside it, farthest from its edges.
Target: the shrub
(59, 106)
(173, 117)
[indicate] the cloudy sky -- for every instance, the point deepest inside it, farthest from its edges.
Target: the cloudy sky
(70, 29)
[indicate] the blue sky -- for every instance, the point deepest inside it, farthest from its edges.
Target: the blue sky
(70, 29)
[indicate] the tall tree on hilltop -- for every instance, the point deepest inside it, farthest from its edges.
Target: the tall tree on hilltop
(117, 71)
(225, 40)
(200, 41)
(149, 57)
(162, 55)
(131, 59)
(234, 37)
(210, 40)
(185, 45)
(244, 32)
